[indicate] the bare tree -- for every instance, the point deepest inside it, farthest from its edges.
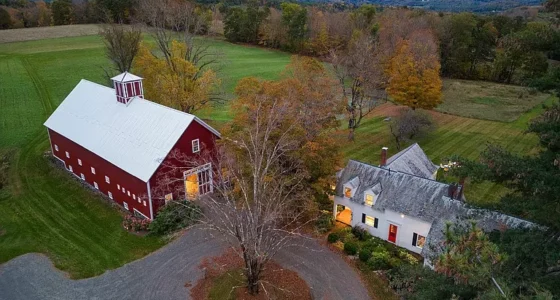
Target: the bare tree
(410, 124)
(359, 64)
(122, 43)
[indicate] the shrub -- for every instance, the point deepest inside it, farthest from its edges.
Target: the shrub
(351, 248)
(407, 257)
(132, 223)
(379, 260)
(360, 233)
(325, 222)
(333, 237)
(175, 216)
(365, 254)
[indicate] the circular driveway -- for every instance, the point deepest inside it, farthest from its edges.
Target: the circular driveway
(164, 273)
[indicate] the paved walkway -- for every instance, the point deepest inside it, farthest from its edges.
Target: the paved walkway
(163, 274)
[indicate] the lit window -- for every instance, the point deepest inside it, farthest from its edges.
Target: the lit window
(144, 203)
(370, 221)
(110, 195)
(369, 199)
(128, 193)
(195, 146)
(79, 162)
(67, 154)
(92, 170)
(95, 185)
(107, 179)
(418, 240)
(55, 147)
(347, 192)
(82, 176)
(168, 197)
(125, 205)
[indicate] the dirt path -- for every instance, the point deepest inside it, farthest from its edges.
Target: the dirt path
(163, 274)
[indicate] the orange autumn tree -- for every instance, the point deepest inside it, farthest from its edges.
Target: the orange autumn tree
(175, 81)
(413, 76)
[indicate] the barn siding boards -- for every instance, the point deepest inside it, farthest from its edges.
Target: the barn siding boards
(102, 168)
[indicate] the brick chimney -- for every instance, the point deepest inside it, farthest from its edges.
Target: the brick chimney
(452, 191)
(383, 156)
(127, 86)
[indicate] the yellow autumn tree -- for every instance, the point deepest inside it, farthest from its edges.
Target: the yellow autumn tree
(175, 81)
(414, 78)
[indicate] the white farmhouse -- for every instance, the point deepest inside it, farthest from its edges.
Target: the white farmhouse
(401, 202)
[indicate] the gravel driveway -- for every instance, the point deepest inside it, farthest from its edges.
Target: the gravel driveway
(163, 274)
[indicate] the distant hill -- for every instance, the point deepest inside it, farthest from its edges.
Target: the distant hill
(480, 6)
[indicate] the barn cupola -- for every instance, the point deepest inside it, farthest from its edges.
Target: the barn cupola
(127, 86)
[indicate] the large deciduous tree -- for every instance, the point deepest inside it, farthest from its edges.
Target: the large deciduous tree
(62, 12)
(409, 124)
(413, 75)
(175, 81)
(121, 45)
(359, 64)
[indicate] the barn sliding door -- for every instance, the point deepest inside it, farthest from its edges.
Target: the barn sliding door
(198, 181)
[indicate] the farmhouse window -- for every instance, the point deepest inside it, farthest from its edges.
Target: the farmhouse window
(347, 192)
(418, 240)
(110, 195)
(370, 221)
(195, 146)
(67, 154)
(107, 179)
(168, 197)
(95, 185)
(369, 200)
(92, 170)
(55, 147)
(125, 205)
(82, 176)
(79, 162)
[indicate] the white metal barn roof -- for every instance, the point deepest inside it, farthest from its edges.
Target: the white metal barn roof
(136, 138)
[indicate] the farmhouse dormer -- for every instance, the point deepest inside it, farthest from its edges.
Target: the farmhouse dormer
(127, 86)
(350, 187)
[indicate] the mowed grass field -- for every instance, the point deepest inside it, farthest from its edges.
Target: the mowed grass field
(47, 211)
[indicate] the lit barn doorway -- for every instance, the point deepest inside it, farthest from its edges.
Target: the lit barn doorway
(198, 181)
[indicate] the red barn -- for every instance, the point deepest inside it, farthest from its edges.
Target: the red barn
(118, 142)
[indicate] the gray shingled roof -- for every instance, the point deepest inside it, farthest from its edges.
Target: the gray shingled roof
(419, 197)
(412, 160)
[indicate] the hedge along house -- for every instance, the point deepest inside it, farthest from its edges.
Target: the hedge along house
(399, 201)
(120, 143)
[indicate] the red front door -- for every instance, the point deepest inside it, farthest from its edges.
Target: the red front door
(393, 233)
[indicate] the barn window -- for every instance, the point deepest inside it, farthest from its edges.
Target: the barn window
(128, 193)
(92, 170)
(168, 197)
(118, 186)
(70, 169)
(55, 147)
(195, 146)
(67, 154)
(133, 196)
(82, 176)
(95, 185)
(107, 179)
(125, 205)
(124, 190)
(110, 195)
(79, 162)
(144, 203)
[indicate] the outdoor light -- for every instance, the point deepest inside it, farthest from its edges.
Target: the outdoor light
(402, 215)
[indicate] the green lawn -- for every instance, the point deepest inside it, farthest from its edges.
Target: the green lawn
(46, 211)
